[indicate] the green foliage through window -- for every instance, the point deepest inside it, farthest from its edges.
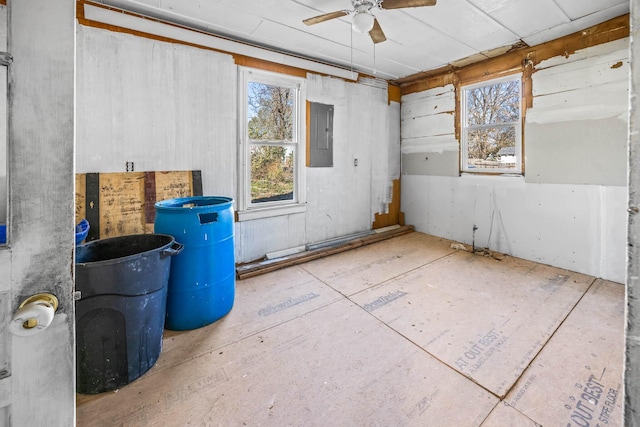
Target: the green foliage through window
(270, 128)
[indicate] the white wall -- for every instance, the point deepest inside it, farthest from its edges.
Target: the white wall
(163, 106)
(172, 107)
(570, 208)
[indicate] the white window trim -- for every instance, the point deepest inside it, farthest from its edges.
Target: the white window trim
(463, 129)
(246, 210)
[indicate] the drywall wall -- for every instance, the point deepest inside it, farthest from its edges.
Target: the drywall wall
(342, 199)
(168, 106)
(576, 132)
(568, 210)
(159, 105)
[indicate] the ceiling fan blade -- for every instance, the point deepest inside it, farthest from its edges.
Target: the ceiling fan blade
(376, 33)
(327, 16)
(399, 4)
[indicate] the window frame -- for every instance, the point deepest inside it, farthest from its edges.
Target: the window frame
(519, 127)
(248, 210)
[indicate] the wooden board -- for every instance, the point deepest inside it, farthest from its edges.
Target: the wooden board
(589, 351)
(121, 204)
(322, 368)
(504, 415)
(118, 204)
(252, 269)
(485, 318)
(261, 303)
(368, 266)
(296, 350)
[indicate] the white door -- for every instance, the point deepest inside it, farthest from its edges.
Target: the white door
(37, 372)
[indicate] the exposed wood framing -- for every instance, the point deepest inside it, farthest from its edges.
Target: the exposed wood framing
(245, 271)
(517, 60)
(521, 60)
(394, 93)
(394, 216)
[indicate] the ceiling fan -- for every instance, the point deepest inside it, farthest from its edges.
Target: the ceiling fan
(363, 20)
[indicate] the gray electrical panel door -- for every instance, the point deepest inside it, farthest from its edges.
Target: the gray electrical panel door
(321, 138)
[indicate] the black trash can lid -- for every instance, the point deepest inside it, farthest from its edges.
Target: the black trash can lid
(121, 248)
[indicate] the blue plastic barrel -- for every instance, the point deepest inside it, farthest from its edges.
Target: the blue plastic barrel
(203, 279)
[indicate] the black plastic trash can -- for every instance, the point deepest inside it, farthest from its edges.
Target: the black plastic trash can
(120, 314)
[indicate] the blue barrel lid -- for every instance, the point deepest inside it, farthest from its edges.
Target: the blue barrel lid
(195, 202)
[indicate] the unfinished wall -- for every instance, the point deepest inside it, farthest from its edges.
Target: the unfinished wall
(168, 106)
(569, 210)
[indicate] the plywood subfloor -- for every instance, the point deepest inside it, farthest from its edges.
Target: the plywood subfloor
(403, 332)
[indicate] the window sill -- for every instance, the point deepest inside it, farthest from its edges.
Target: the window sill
(491, 175)
(268, 212)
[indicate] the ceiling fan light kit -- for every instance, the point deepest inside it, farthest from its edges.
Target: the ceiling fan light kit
(363, 20)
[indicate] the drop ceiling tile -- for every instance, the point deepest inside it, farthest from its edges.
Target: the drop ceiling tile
(578, 8)
(404, 28)
(321, 6)
(154, 3)
(418, 39)
(467, 24)
(526, 18)
(446, 49)
(220, 18)
(488, 6)
(407, 58)
(577, 25)
(499, 38)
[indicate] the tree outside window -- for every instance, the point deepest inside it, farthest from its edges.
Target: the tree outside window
(491, 129)
(271, 179)
(270, 129)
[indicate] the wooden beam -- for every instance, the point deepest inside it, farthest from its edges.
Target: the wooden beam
(244, 271)
(394, 93)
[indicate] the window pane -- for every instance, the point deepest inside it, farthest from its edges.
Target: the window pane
(270, 112)
(271, 173)
(496, 103)
(492, 148)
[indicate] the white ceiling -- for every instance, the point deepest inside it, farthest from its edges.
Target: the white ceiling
(418, 39)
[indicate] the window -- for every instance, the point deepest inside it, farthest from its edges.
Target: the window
(272, 148)
(491, 126)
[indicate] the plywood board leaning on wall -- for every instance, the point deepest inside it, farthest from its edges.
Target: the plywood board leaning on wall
(119, 204)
